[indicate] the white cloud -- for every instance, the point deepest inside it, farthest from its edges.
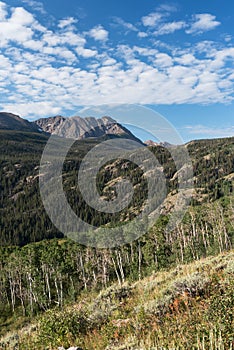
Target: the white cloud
(3, 11)
(66, 38)
(59, 52)
(156, 17)
(30, 110)
(109, 62)
(66, 68)
(86, 53)
(186, 59)
(67, 22)
(142, 34)
(161, 81)
(205, 131)
(16, 28)
(99, 33)
(221, 56)
(152, 19)
(228, 38)
(167, 8)
(126, 25)
(36, 5)
(21, 17)
(145, 51)
(35, 45)
(168, 28)
(202, 23)
(163, 60)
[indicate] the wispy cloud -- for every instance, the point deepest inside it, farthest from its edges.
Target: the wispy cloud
(3, 11)
(205, 131)
(124, 24)
(67, 22)
(154, 18)
(170, 27)
(36, 5)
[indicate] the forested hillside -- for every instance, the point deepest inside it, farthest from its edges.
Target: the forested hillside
(23, 218)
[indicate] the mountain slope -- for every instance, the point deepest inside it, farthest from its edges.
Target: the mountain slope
(187, 307)
(20, 155)
(81, 128)
(9, 121)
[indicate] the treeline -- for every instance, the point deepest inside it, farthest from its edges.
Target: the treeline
(213, 161)
(51, 273)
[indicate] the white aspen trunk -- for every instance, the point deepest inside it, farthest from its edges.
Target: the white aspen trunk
(116, 271)
(83, 271)
(139, 260)
(119, 260)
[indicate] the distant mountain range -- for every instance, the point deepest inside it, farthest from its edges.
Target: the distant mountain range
(73, 127)
(153, 143)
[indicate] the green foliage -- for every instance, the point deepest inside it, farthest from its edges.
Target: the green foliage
(60, 327)
(189, 307)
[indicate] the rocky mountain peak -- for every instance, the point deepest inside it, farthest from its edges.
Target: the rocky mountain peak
(81, 128)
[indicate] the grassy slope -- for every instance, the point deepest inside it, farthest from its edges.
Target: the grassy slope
(188, 307)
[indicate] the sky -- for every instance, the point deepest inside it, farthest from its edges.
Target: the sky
(57, 57)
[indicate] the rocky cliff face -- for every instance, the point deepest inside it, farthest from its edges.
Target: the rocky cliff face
(81, 128)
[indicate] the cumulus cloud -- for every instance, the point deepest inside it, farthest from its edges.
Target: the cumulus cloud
(99, 33)
(60, 52)
(203, 22)
(163, 60)
(86, 53)
(68, 37)
(186, 59)
(16, 28)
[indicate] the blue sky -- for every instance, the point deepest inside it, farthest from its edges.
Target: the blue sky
(174, 57)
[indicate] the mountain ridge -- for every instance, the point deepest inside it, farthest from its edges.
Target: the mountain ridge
(81, 128)
(71, 127)
(10, 121)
